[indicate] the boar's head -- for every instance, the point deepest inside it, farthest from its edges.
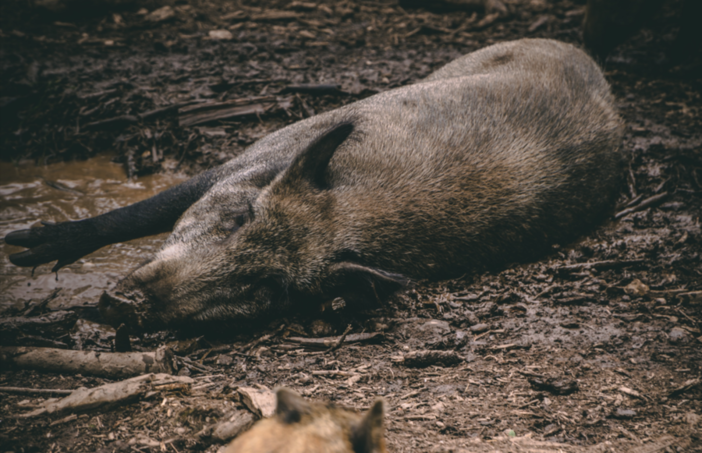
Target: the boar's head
(237, 255)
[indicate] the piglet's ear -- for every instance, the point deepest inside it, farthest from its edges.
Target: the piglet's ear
(290, 406)
(311, 164)
(367, 435)
(361, 285)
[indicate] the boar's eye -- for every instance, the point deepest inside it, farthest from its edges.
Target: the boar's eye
(239, 220)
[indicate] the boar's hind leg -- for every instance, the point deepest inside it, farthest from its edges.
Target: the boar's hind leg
(69, 241)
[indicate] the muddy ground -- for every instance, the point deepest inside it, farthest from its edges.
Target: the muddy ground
(606, 355)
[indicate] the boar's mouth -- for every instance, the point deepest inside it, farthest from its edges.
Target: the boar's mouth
(144, 313)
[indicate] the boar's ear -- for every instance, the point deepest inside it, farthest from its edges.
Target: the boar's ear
(367, 435)
(359, 285)
(290, 406)
(310, 165)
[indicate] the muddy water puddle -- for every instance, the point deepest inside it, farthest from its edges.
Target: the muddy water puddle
(70, 191)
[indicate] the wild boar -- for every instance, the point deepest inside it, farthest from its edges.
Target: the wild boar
(299, 426)
(489, 160)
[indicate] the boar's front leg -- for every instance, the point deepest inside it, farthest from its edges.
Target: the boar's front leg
(69, 241)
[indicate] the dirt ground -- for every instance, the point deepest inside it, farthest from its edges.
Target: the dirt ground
(597, 346)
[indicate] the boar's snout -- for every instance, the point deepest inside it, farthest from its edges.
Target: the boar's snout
(118, 306)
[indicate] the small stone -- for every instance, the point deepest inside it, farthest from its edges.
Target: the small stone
(479, 328)
(436, 326)
(577, 358)
(677, 335)
(471, 318)
(223, 35)
(438, 407)
(320, 328)
(305, 379)
(624, 414)
(224, 359)
(636, 288)
(161, 14)
(693, 419)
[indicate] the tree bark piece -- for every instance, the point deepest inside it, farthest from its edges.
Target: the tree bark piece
(113, 394)
(113, 365)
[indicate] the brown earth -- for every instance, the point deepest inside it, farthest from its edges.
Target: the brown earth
(558, 350)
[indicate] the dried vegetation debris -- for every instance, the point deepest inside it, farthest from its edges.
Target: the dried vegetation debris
(595, 346)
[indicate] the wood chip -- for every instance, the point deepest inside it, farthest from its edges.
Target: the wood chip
(261, 402)
(422, 359)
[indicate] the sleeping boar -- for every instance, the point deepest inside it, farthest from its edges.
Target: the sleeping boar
(299, 426)
(489, 160)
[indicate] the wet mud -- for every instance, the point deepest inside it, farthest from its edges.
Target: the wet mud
(65, 191)
(597, 345)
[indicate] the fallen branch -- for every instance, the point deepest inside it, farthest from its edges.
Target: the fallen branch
(113, 365)
(262, 339)
(338, 344)
(647, 203)
(160, 111)
(599, 265)
(113, 394)
(445, 6)
(321, 89)
(185, 361)
(118, 122)
(333, 373)
(31, 391)
(212, 111)
(329, 342)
